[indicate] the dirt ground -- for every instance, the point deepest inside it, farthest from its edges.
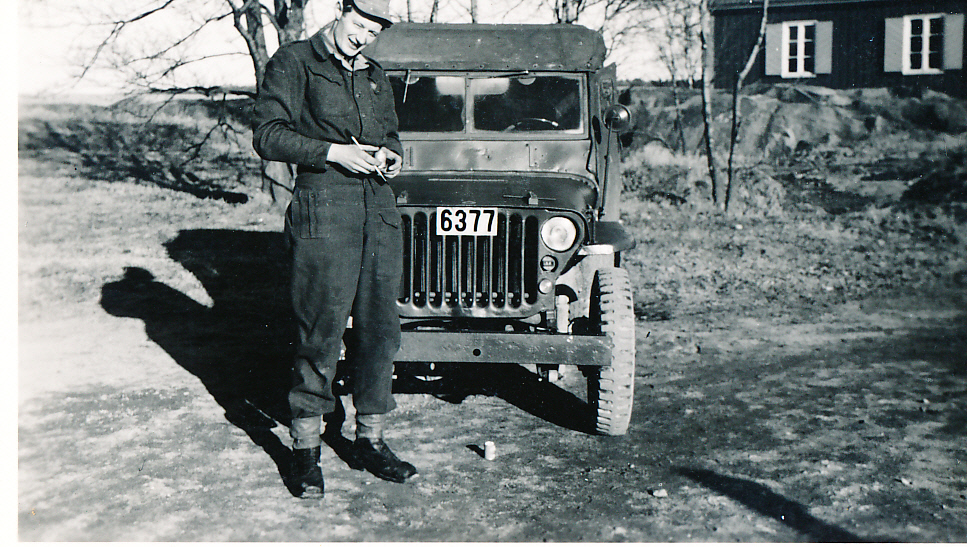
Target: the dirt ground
(152, 378)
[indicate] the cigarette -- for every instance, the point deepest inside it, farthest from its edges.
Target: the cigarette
(359, 146)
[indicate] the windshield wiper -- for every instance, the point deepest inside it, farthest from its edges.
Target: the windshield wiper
(521, 74)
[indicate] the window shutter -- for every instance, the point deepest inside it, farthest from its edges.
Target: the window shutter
(893, 45)
(824, 47)
(953, 51)
(773, 50)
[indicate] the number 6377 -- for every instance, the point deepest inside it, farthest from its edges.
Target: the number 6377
(466, 221)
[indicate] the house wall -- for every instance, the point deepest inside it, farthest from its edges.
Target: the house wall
(858, 44)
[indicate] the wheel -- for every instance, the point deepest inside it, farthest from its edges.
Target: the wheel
(611, 388)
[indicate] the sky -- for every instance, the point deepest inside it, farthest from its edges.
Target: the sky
(55, 37)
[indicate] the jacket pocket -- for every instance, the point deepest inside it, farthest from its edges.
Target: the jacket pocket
(312, 213)
(391, 218)
(327, 96)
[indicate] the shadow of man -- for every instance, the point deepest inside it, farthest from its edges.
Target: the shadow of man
(240, 348)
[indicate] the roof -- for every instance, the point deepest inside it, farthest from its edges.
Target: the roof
(422, 46)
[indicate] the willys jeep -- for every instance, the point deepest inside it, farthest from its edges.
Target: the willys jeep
(509, 197)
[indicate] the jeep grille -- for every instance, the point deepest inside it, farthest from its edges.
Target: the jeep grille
(469, 276)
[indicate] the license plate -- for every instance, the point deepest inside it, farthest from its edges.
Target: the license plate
(466, 221)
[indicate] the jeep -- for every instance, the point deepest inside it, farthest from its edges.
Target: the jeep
(509, 197)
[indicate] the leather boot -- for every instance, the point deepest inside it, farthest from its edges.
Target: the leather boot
(305, 473)
(374, 456)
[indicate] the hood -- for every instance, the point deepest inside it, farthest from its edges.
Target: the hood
(494, 189)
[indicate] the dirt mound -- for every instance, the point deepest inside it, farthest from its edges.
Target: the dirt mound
(799, 147)
(944, 184)
(780, 121)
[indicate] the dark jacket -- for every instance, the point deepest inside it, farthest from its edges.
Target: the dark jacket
(306, 103)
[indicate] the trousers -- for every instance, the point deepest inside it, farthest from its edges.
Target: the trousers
(346, 260)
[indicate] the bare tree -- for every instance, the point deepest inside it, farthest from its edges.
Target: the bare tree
(680, 28)
(613, 18)
(568, 11)
(734, 134)
(290, 20)
(154, 64)
(674, 32)
(707, 94)
(132, 34)
(575, 11)
(247, 18)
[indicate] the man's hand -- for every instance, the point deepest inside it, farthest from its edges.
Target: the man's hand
(390, 163)
(356, 159)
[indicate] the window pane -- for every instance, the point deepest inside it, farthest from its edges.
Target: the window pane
(810, 32)
(432, 103)
(793, 33)
(533, 103)
(916, 61)
(916, 44)
(793, 65)
(916, 27)
(793, 49)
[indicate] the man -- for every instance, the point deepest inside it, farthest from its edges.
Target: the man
(330, 111)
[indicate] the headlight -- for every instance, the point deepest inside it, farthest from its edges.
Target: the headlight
(559, 233)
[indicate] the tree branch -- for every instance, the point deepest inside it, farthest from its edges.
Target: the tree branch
(116, 32)
(208, 91)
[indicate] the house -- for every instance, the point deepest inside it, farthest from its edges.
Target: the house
(907, 44)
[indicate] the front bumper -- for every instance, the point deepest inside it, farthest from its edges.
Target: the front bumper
(504, 347)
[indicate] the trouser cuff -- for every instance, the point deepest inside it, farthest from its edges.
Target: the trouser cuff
(306, 432)
(369, 426)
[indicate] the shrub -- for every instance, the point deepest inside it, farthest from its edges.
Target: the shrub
(177, 146)
(755, 194)
(654, 173)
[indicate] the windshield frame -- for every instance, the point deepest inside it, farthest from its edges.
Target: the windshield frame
(470, 132)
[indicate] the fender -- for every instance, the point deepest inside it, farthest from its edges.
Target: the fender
(609, 237)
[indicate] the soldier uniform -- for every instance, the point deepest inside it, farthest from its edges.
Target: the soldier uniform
(317, 104)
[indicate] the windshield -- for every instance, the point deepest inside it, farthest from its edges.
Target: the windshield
(429, 103)
(529, 103)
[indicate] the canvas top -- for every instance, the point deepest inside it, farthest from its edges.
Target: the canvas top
(429, 46)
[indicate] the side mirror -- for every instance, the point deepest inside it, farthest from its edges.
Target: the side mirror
(617, 118)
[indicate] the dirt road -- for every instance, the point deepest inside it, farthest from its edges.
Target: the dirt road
(150, 384)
